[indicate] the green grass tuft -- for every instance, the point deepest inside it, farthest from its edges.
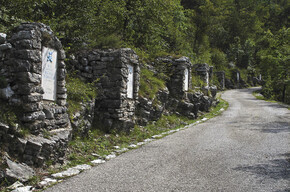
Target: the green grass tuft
(150, 84)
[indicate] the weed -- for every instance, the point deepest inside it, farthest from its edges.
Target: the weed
(149, 84)
(79, 91)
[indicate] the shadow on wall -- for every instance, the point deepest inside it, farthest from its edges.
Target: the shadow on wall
(277, 169)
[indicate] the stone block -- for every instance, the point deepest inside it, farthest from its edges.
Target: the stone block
(27, 88)
(38, 115)
(5, 47)
(84, 61)
(94, 57)
(32, 34)
(61, 90)
(31, 55)
(61, 102)
(32, 98)
(61, 55)
(48, 113)
(31, 107)
(107, 59)
(61, 74)
(62, 96)
(27, 44)
(61, 65)
(17, 171)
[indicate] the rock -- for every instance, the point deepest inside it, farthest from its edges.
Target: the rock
(15, 185)
(132, 146)
(6, 93)
(111, 156)
(98, 161)
(5, 47)
(122, 150)
(82, 167)
(20, 172)
(68, 173)
(2, 38)
(156, 136)
(24, 189)
(47, 182)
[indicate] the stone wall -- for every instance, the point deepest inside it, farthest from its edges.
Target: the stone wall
(22, 69)
(221, 78)
(180, 77)
(174, 99)
(115, 103)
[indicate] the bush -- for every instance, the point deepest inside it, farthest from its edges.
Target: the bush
(149, 84)
(79, 91)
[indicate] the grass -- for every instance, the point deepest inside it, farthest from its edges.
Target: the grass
(83, 150)
(259, 96)
(78, 91)
(149, 84)
(99, 144)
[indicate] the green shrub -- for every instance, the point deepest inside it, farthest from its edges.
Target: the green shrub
(79, 91)
(149, 84)
(197, 81)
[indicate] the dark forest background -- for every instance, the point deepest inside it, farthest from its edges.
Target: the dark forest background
(252, 35)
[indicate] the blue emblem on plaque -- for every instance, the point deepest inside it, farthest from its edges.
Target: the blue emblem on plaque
(49, 57)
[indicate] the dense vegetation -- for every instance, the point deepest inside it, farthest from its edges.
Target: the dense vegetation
(251, 34)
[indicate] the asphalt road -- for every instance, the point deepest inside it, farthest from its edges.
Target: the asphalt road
(247, 148)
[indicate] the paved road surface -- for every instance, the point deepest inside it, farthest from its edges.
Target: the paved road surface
(247, 148)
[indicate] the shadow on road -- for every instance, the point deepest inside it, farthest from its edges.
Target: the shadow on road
(276, 169)
(273, 127)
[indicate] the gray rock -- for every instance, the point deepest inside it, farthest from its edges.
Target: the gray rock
(20, 172)
(24, 189)
(68, 173)
(82, 167)
(5, 47)
(98, 161)
(47, 182)
(6, 93)
(2, 38)
(15, 185)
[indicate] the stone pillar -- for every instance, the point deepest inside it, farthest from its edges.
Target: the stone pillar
(118, 74)
(36, 73)
(203, 70)
(221, 78)
(180, 80)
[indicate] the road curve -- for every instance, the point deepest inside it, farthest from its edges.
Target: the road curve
(247, 148)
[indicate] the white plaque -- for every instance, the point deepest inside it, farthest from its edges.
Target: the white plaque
(238, 76)
(49, 71)
(130, 82)
(186, 79)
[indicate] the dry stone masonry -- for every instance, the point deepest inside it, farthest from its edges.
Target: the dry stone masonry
(117, 73)
(221, 78)
(180, 80)
(33, 69)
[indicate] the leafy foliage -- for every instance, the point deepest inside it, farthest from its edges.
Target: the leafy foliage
(79, 91)
(150, 84)
(253, 35)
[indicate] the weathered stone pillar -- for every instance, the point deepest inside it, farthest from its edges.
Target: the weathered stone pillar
(180, 80)
(203, 70)
(37, 71)
(34, 69)
(221, 78)
(118, 75)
